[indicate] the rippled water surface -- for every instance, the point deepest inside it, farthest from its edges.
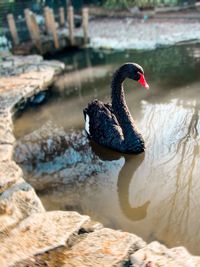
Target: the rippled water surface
(154, 195)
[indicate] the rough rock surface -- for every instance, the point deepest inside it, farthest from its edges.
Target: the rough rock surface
(17, 203)
(9, 174)
(103, 248)
(156, 255)
(24, 78)
(6, 152)
(29, 236)
(39, 233)
(6, 136)
(40, 152)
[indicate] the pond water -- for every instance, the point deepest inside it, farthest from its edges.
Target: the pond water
(154, 195)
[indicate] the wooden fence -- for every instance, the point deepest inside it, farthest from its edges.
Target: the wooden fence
(52, 35)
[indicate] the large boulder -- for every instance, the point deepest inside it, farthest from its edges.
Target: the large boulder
(39, 233)
(17, 203)
(50, 157)
(10, 174)
(102, 247)
(156, 255)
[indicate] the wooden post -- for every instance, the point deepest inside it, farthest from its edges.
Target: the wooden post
(62, 16)
(33, 29)
(85, 19)
(53, 28)
(70, 18)
(68, 4)
(47, 19)
(27, 14)
(13, 29)
(36, 32)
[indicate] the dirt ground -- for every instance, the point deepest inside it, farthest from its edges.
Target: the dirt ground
(147, 32)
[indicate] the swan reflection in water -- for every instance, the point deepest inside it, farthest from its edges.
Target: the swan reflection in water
(132, 162)
(125, 176)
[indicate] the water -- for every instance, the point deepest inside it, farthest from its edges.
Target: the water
(154, 195)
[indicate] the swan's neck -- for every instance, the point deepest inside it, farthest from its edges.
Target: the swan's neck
(120, 107)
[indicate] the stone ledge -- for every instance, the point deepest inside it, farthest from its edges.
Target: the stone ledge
(23, 77)
(18, 84)
(157, 255)
(6, 135)
(39, 233)
(16, 203)
(10, 173)
(6, 152)
(104, 247)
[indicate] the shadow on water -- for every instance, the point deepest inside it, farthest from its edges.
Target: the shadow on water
(154, 195)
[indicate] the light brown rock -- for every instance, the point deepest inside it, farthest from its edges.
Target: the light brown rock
(39, 233)
(6, 152)
(28, 60)
(103, 248)
(17, 203)
(6, 134)
(157, 255)
(56, 65)
(10, 173)
(28, 76)
(33, 78)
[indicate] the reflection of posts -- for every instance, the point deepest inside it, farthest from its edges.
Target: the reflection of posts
(77, 78)
(50, 25)
(27, 14)
(53, 28)
(13, 29)
(61, 16)
(125, 176)
(33, 28)
(47, 20)
(70, 19)
(85, 18)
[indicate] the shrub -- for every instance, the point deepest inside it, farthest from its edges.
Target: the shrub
(139, 3)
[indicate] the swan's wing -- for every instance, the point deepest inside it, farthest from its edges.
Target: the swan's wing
(102, 125)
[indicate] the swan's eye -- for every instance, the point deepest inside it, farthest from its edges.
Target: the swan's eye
(139, 75)
(140, 72)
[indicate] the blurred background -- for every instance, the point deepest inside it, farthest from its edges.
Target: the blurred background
(97, 7)
(154, 195)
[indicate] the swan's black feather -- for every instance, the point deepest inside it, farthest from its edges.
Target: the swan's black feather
(111, 125)
(103, 125)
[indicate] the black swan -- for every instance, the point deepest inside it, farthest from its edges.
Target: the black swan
(111, 124)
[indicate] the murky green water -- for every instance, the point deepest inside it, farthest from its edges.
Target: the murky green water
(154, 195)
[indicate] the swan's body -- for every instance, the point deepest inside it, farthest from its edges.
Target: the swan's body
(111, 124)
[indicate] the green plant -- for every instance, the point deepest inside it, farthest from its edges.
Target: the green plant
(119, 3)
(139, 3)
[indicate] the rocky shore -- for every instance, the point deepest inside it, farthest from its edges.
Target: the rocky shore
(29, 235)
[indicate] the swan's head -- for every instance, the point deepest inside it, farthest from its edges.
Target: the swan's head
(135, 72)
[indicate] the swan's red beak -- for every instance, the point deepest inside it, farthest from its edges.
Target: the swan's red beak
(143, 82)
